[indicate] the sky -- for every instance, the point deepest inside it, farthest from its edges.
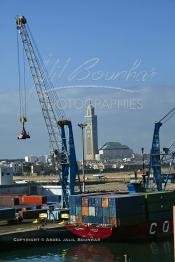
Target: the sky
(118, 54)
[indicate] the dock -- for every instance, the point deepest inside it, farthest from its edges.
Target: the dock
(28, 234)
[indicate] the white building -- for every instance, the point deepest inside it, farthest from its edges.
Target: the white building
(6, 175)
(31, 159)
(34, 159)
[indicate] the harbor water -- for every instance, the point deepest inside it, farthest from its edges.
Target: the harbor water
(87, 252)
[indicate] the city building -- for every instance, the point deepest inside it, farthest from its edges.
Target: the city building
(43, 159)
(113, 151)
(17, 168)
(31, 159)
(34, 159)
(6, 175)
(91, 134)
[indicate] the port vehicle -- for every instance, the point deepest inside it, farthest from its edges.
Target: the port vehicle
(57, 124)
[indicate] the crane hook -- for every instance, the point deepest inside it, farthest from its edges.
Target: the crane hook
(23, 134)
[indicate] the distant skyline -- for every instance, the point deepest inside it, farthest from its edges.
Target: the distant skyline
(120, 54)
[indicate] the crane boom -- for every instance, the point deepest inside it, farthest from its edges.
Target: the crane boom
(66, 164)
(41, 84)
(155, 151)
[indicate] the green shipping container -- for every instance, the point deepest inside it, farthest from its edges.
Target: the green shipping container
(159, 206)
(78, 211)
(105, 211)
(160, 196)
(131, 220)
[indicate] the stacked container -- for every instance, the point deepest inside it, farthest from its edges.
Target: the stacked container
(9, 200)
(112, 209)
(7, 213)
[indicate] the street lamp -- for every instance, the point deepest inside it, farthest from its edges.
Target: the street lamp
(82, 126)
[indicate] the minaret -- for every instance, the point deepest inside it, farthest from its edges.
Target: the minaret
(91, 135)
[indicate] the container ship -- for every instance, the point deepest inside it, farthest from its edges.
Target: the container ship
(122, 217)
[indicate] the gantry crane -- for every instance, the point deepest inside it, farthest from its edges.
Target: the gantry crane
(54, 116)
(154, 162)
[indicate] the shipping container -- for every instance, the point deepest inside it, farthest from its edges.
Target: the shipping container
(112, 202)
(106, 220)
(112, 211)
(98, 220)
(72, 219)
(105, 202)
(91, 211)
(105, 212)
(131, 220)
(108, 208)
(75, 200)
(130, 210)
(53, 198)
(134, 200)
(9, 201)
(7, 213)
(85, 211)
(85, 201)
(92, 201)
(78, 219)
(90, 220)
(72, 210)
(157, 196)
(158, 216)
(78, 211)
(159, 206)
(113, 221)
(98, 201)
(31, 199)
(99, 211)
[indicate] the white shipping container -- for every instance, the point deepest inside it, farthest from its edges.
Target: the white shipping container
(92, 211)
(72, 219)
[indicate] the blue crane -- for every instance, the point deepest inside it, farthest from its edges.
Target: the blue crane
(63, 147)
(154, 162)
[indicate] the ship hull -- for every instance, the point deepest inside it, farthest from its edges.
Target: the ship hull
(146, 231)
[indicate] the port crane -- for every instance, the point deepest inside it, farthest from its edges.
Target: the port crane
(56, 123)
(155, 159)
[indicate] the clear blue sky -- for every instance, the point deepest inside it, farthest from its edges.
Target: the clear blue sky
(116, 35)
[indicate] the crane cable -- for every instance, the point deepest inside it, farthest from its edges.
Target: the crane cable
(168, 116)
(22, 90)
(53, 95)
(24, 83)
(19, 77)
